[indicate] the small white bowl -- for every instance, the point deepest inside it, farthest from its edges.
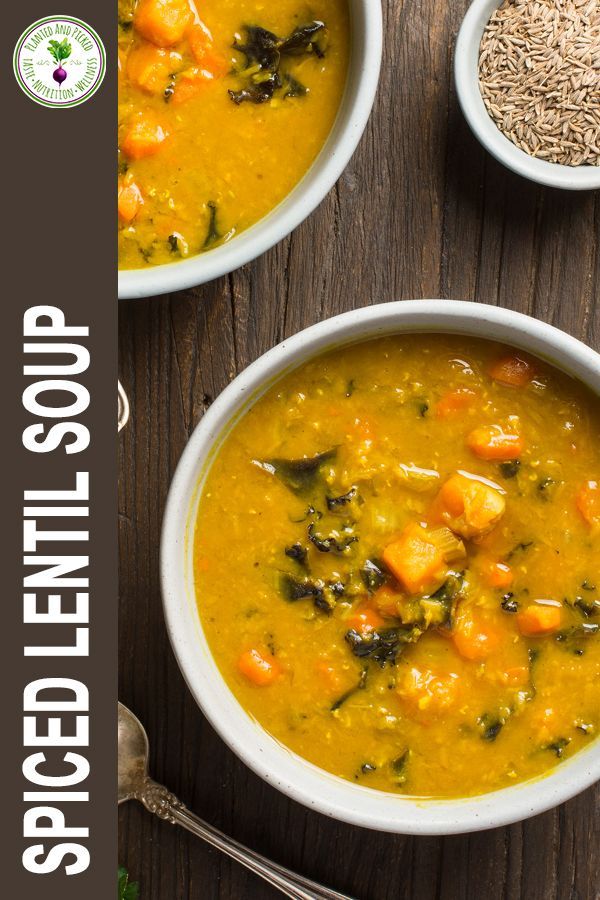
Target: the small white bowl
(466, 74)
(279, 766)
(357, 102)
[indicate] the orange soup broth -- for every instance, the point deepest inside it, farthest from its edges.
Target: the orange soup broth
(474, 704)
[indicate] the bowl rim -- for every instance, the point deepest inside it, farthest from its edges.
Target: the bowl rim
(366, 22)
(294, 776)
(466, 56)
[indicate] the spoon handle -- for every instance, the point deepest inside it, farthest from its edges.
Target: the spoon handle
(166, 806)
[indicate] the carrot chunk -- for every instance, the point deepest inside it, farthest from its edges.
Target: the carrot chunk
(415, 560)
(365, 619)
(188, 85)
(162, 22)
(454, 402)
(424, 689)
(203, 51)
(513, 371)
(539, 619)
(469, 507)
(388, 601)
(474, 637)
(149, 67)
(259, 667)
(493, 442)
(144, 138)
(588, 503)
(498, 574)
(129, 200)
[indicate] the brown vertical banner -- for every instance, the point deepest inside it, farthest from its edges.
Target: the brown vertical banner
(59, 379)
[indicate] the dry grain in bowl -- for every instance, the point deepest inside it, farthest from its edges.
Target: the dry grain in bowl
(539, 75)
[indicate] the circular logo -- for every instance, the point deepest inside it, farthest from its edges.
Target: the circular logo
(59, 61)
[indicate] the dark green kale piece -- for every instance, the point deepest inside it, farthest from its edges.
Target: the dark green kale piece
(264, 53)
(301, 476)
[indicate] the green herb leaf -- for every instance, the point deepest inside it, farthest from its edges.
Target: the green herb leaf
(398, 766)
(362, 683)
(374, 575)
(509, 604)
(557, 747)
(335, 503)
(382, 646)
(521, 547)
(336, 542)
(213, 235)
(294, 88)
(128, 890)
(491, 726)
(510, 469)
(323, 594)
(298, 553)
(573, 639)
(59, 50)
(299, 475)
(263, 52)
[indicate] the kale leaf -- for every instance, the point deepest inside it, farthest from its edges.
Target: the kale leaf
(213, 234)
(510, 468)
(557, 747)
(374, 575)
(323, 594)
(573, 638)
(264, 51)
(509, 604)
(299, 475)
(338, 542)
(309, 38)
(362, 683)
(382, 646)
(294, 87)
(398, 766)
(298, 553)
(334, 503)
(491, 726)
(587, 607)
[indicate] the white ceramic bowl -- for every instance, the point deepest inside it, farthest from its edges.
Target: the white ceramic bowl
(270, 759)
(351, 121)
(466, 74)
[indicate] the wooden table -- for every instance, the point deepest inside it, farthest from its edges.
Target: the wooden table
(422, 211)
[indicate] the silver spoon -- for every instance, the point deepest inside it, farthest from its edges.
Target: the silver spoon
(135, 783)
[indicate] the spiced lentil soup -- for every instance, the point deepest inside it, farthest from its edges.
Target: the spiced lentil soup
(223, 107)
(397, 564)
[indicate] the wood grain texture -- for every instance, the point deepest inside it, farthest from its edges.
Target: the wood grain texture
(421, 211)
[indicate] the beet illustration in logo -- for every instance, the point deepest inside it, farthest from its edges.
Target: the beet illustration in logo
(59, 50)
(59, 61)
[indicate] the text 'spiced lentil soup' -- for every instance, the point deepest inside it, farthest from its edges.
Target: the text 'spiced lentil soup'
(223, 107)
(397, 564)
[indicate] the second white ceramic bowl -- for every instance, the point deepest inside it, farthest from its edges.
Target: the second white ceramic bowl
(466, 74)
(283, 769)
(351, 121)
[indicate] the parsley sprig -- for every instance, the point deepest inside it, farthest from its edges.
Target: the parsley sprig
(128, 890)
